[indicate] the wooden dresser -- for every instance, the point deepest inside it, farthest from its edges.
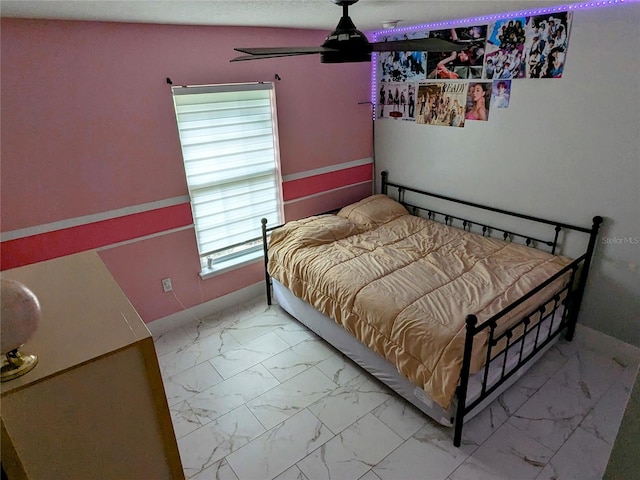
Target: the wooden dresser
(94, 406)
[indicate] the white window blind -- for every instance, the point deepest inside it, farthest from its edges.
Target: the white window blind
(229, 144)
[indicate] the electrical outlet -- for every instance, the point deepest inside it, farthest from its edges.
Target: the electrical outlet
(166, 285)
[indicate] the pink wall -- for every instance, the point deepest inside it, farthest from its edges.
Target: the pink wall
(88, 129)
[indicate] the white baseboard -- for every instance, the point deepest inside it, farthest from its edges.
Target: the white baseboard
(193, 314)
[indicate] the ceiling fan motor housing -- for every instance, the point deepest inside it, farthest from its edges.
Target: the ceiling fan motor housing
(351, 44)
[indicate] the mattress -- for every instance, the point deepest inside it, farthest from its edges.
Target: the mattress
(387, 373)
(403, 285)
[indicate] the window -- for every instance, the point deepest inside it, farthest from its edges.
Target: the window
(229, 144)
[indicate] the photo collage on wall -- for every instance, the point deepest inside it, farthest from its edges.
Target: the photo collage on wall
(451, 88)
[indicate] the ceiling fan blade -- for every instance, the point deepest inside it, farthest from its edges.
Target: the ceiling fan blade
(284, 50)
(346, 44)
(417, 45)
(260, 57)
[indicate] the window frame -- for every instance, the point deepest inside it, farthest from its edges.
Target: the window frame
(214, 262)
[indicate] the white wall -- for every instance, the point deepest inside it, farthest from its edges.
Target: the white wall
(565, 149)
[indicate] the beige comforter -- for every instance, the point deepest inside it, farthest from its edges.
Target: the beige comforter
(403, 285)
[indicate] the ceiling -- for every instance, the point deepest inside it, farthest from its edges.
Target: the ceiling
(368, 15)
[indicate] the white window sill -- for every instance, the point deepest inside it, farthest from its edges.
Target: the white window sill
(227, 265)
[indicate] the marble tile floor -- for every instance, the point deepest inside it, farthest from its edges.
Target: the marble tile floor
(254, 395)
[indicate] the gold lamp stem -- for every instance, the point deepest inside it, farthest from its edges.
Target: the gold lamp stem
(16, 364)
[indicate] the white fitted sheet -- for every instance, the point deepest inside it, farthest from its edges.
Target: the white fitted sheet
(387, 373)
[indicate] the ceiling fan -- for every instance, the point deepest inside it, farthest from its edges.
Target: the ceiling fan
(348, 44)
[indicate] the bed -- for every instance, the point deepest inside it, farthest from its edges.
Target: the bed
(446, 311)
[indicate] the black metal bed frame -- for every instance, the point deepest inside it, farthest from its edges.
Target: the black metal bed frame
(528, 328)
